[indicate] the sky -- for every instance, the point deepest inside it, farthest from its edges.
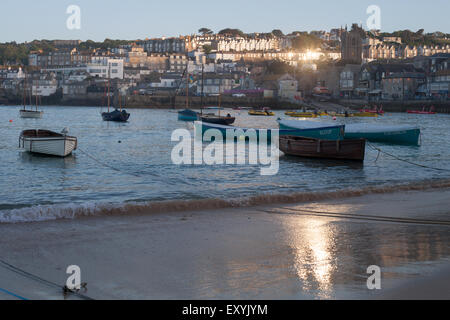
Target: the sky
(26, 20)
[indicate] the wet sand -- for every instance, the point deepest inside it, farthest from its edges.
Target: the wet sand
(318, 250)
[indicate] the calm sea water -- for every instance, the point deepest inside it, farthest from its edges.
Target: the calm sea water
(141, 150)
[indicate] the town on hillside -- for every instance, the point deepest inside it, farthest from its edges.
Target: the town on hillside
(344, 65)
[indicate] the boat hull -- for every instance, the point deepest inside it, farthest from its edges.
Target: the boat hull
(315, 148)
(420, 112)
(116, 116)
(226, 121)
(31, 114)
(59, 146)
(187, 115)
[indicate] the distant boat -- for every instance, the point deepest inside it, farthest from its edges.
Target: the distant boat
(299, 114)
(25, 113)
(187, 115)
(423, 111)
(33, 114)
(117, 115)
(312, 129)
(393, 134)
(47, 142)
(264, 112)
(375, 109)
(218, 119)
(315, 148)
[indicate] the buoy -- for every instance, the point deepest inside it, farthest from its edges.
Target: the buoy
(334, 118)
(119, 141)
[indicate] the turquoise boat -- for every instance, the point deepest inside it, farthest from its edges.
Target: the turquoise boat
(329, 133)
(374, 132)
(313, 129)
(187, 115)
(391, 134)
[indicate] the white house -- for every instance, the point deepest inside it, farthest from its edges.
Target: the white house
(104, 67)
(44, 87)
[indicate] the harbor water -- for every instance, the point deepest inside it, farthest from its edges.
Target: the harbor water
(119, 164)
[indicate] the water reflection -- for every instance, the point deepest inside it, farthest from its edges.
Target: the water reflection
(330, 256)
(48, 161)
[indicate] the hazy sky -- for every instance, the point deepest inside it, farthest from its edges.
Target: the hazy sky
(26, 20)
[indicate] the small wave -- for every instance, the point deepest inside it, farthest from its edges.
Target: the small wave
(73, 211)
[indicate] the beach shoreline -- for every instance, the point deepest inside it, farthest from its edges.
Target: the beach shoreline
(310, 250)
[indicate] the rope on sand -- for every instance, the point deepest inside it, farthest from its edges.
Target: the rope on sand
(403, 160)
(363, 217)
(31, 276)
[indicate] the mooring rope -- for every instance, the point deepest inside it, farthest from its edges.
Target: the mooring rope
(12, 294)
(31, 276)
(403, 160)
(107, 165)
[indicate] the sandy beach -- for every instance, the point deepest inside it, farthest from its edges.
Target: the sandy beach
(316, 250)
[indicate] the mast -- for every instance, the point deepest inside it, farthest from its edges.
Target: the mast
(109, 78)
(120, 102)
(187, 89)
(220, 96)
(25, 91)
(203, 80)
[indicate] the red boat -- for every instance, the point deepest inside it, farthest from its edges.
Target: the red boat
(374, 110)
(423, 111)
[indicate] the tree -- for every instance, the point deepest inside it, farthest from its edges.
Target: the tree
(278, 33)
(205, 31)
(207, 49)
(306, 41)
(232, 32)
(279, 67)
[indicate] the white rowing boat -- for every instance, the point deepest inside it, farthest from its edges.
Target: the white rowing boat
(47, 142)
(31, 114)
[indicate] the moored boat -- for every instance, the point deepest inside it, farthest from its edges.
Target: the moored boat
(299, 114)
(188, 115)
(31, 114)
(328, 149)
(47, 142)
(264, 112)
(312, 129)
(116, 116)
(217, 119)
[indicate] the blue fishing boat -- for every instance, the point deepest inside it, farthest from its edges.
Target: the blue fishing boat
(187, 115)
(245, 133)
(391, 134)
(312, 129)
(375, 132)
